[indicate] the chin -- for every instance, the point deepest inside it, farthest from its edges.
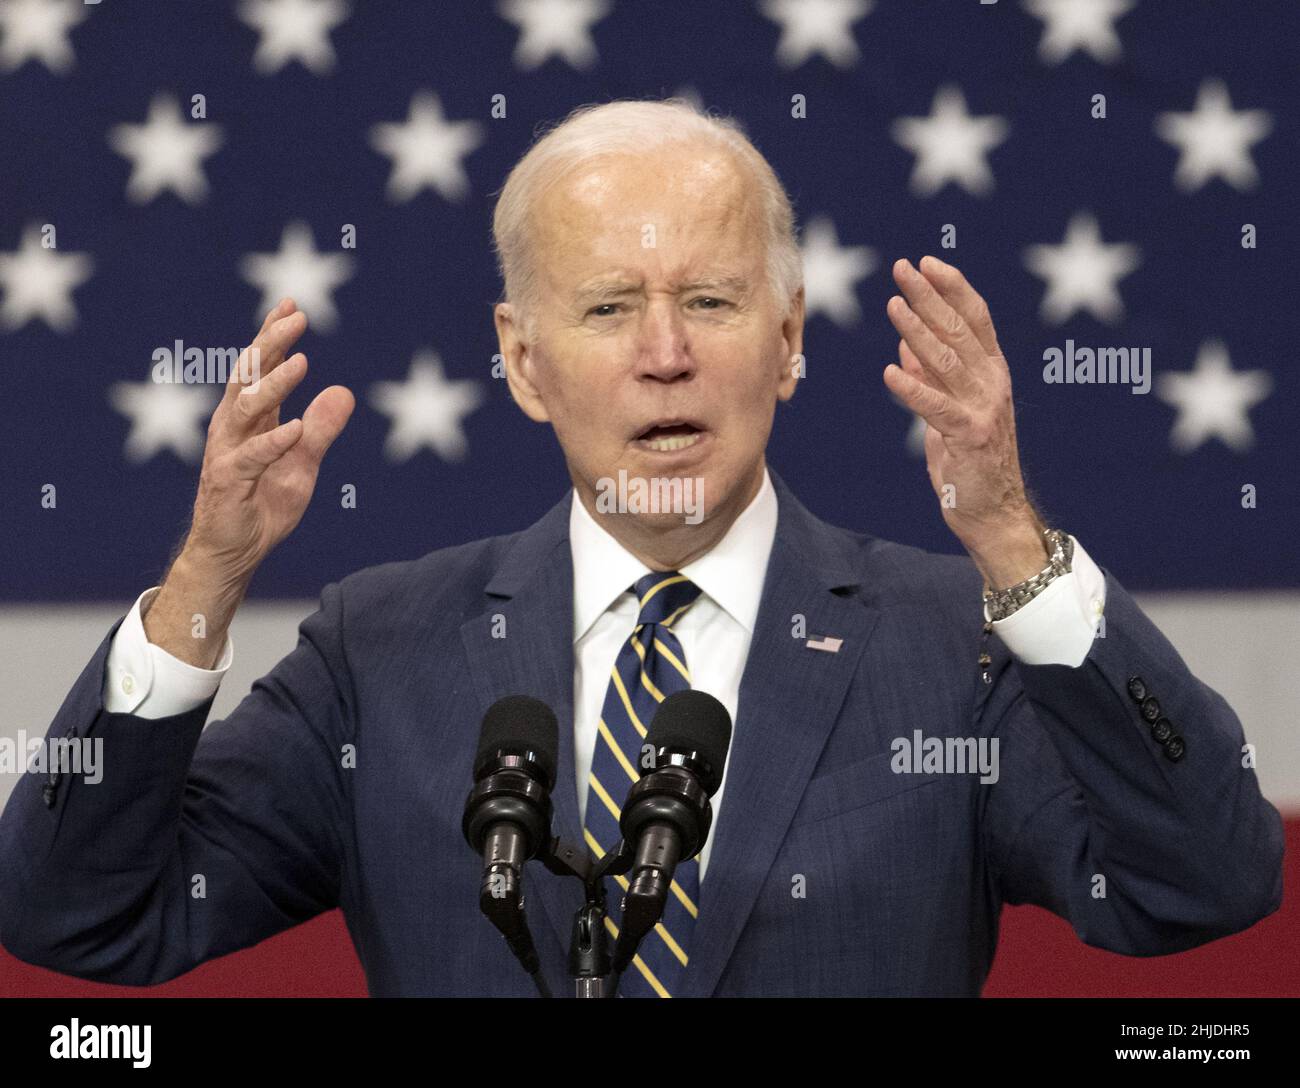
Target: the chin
(658, 496)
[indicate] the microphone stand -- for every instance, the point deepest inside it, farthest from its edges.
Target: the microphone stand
(594, 972)
(589, 959)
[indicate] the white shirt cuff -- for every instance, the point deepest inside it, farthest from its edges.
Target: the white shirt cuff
(143, 679)
(1057, 627)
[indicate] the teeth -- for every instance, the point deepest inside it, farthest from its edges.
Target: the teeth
(672, 442)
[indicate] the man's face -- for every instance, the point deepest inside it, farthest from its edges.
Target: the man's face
(658, 347)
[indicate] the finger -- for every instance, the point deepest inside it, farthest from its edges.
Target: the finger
(910, 362)
(962, 297)
(325, 417)
(247, 413)
(945, 322)
(912, 365)
(940, 360)
(283, 308)
(936, 407)
(261, 451)
(266, 351)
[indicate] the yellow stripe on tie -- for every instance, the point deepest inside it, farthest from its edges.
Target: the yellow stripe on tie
(673, 946)
(618, 752)
(672, 658)
(662, 585)
(595, 846)
(685, 900)
(669, 621)
(627, 703)
(640, 964)
(646, 682)
(605, 797)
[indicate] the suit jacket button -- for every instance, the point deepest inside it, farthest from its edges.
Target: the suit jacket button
(1150, 708)
(1162, 730)
(48, 793)
(1175, 746)
(1137, 688)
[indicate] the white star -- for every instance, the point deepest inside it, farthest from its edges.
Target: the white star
(1079, 24)
(831, 272)
(426, 410)
(294, 30)
(554, 28)
(166, 152)
(164, 415)
(1082, 272)
(1213, 400)
(38, 29)
(1214, 140)
(950, 145)
(38, 282)
(301, 272)
(816, 26)
(426, 149)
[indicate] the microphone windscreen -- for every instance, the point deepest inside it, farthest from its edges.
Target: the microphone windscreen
(519, 724)
(694, 721)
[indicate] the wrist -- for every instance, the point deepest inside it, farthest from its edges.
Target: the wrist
(189, 615)
(1012, 555)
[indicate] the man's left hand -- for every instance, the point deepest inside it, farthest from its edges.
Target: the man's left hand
(954, 376)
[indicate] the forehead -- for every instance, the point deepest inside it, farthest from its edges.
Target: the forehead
(672, 212)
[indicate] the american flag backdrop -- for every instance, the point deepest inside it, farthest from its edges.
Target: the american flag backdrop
(1110, 174)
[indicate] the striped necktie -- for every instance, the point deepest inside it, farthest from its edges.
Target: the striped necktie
(650, 667)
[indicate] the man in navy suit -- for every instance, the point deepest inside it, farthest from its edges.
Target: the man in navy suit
(917, 738)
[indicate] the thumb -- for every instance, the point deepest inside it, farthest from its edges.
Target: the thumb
(325, 418)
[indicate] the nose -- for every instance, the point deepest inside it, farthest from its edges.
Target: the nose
(663, 353)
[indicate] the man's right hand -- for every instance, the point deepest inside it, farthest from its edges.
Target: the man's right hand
(257, 477)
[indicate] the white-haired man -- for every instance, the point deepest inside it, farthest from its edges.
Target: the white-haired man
(653, 316)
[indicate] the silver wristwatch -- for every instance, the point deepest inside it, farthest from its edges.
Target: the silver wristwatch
(999, 604)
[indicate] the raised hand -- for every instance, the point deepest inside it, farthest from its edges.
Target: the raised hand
(954, 376)
(258, 473)
(257, 477)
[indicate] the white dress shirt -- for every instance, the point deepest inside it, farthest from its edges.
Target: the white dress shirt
(1055, 628)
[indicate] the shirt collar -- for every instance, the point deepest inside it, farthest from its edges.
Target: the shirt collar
(731, 572)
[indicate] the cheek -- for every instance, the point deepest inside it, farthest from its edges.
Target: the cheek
(754, 388)
(585, 416)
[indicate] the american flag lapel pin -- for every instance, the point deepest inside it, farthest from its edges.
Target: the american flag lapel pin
(828, 644)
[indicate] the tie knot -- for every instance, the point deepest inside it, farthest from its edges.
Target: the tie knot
(664, 595)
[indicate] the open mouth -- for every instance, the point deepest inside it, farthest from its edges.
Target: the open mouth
(670, 436)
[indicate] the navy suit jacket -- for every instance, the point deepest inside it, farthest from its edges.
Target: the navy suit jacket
(830, 873)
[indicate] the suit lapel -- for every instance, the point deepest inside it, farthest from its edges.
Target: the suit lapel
(533, 591)
(790, 697)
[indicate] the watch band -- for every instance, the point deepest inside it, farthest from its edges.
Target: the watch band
(999, 604)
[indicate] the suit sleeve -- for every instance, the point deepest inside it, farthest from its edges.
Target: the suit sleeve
(194, 842)
(1127, 802)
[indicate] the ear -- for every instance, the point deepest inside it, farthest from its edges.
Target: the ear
(520, 363)
(792, 345)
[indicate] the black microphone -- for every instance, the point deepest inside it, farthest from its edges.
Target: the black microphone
(507, 817)
(667, 815)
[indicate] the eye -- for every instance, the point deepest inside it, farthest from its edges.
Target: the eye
(710, 298)
(603, 306)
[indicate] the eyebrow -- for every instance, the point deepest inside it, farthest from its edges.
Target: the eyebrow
(616, 288)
